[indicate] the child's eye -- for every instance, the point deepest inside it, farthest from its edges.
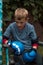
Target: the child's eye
(18, 18)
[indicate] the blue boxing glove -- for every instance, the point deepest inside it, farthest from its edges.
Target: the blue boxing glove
(18, 47)
(29, 56)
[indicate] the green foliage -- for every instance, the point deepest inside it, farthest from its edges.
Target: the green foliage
(34, 6)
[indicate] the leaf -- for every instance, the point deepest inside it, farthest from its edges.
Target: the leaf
(26, 3)
(32, 4)
(39, 15)
(36, 17)
(35, 11)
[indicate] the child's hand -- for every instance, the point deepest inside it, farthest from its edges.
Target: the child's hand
(5, 41)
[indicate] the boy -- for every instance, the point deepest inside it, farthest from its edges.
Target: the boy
(23, 31)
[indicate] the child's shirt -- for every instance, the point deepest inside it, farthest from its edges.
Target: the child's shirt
(26, 35)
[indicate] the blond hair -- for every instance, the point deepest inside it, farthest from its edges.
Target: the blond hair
(21, 12)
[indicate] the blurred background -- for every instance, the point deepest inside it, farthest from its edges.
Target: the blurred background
(35, 8)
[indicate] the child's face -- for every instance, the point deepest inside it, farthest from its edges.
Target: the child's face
(20, 22)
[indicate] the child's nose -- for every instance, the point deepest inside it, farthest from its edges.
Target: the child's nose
(19, 24)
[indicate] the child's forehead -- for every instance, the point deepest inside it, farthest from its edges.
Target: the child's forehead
(20, 17)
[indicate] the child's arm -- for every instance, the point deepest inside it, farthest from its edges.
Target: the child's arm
(34, 39)
(7, 34)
